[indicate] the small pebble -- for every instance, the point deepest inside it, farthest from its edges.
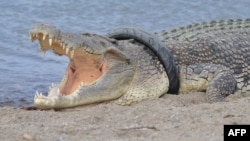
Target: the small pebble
(28, 137)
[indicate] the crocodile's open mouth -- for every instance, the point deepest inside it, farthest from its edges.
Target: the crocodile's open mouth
(84, 68)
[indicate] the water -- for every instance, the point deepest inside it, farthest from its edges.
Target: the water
(23, 70)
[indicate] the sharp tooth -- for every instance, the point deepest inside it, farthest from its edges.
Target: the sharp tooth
(50, 42)
(58, 91)
(72, 53)
(52, 84)
(44, 37)
(81, 84)
(30, 36)
(63, 45)
(67, 50)
(37, 93)
(50, 87)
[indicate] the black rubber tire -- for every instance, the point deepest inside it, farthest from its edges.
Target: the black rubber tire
(160, 50)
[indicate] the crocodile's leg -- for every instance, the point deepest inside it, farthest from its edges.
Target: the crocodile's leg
(217, 80)
(221, 86)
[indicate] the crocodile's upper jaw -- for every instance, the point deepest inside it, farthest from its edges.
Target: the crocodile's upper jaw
(84, 68)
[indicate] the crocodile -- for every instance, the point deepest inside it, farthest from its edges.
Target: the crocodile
(104, 69)
(121, 67)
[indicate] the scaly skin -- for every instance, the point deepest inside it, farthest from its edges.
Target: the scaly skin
(100, 69)
(225, 43)
(212, 57)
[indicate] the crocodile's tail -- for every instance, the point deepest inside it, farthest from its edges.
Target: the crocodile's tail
(159, 49)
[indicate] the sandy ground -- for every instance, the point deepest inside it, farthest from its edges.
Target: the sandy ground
(175, 118)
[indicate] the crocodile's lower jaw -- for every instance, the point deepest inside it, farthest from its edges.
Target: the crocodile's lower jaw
(84, 69)
(55, 102)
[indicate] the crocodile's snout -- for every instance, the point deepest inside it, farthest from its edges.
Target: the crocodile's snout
(90, 58)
